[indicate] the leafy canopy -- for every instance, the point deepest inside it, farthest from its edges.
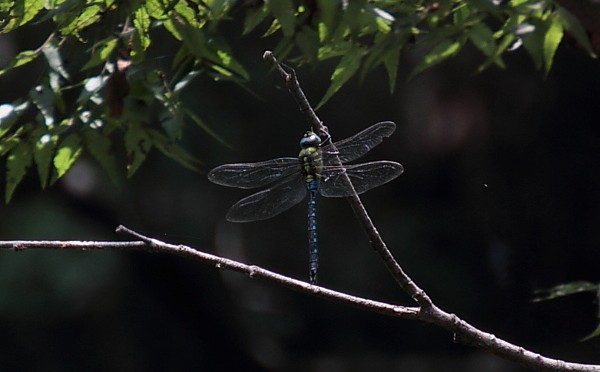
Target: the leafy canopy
(111, 98)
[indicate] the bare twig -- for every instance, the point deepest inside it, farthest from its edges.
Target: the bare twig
(463, 331)
(409, 286)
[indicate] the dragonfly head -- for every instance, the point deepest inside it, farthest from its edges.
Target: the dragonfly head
(310, 139)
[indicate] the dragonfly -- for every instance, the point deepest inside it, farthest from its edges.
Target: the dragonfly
(320, 168)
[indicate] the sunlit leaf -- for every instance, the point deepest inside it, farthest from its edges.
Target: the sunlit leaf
(101, 52)
(67, 152)
(439, 53)
(141, 21)
(22, 12)
(552, 40)
(9, 113)
(348, 65)
(17, 163)
(20, 59)
(43, 98)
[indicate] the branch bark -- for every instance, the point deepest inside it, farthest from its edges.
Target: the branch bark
(463, 332)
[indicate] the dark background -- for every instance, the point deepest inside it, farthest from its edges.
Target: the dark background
(499, 198)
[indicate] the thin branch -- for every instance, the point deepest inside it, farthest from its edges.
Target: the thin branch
(463, 331)
(406, 283)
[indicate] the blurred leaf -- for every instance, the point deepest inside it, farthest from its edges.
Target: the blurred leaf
(9, 113)
(574, 27)
(22, 12)
(141, 22)
(43, 98)
(552, 40)
(174, 151)
(283, 11)
(68, 151)
(99, 146)
(348, 65)
(17, 163)
(594, 334)
(439, 53)
(72, 25)
(565, 290)
(101, 52)
(254, 16)
(390, 61)
(138, 144)
(199, 122)
(308, 41)
(43, 149)
(482, 37)
(50, 50)
(20, 59)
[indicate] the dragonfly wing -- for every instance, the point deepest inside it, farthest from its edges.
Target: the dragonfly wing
(358, 145)
(363, 176)
(269, 202)
(251, 175)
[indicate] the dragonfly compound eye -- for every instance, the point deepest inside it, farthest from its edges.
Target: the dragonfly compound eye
(310, 139)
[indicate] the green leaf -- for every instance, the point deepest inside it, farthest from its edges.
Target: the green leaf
(348, 65)
(283, 11)
(565, 290)
(20, 59)
(101, 52)
(17, 163)
(22, 12)
(68, 151)
(88, 17)
(552, 40)
(308, 41)
(199, 122)
(50, 50)
(574, 27)
(482, 37)
(137, 144)
(141, 22)
(43, 149)
(390, 61)
(174, 151)
(254, 17)
(9, 114)
(439, 53)
(99, 146)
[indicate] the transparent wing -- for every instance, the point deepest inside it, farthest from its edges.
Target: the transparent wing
(363, 176)
(269, 202)
(358, 145)
(251, 175)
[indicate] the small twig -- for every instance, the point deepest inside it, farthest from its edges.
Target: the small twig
(465, 333)
(289, 76)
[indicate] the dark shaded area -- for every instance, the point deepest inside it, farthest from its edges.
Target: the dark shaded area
(500, 197)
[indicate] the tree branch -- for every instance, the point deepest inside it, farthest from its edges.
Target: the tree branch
(463, 331)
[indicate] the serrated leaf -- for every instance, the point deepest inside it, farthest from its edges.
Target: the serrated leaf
(9, 113)
(137, 145)
(43, 149)
(101, 52)
(17, 163)
(348, 65)
(439, 53)
(88, 16)
(22, 12)
(67, 152)
(43, 98)
(283, 11)
(51, 52)
(174, 151)
(254, 17)
(20, 59)
(552, 40)
(99, 146)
